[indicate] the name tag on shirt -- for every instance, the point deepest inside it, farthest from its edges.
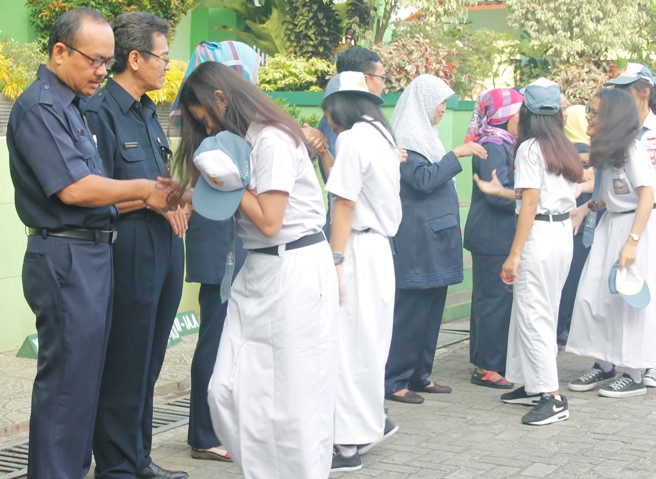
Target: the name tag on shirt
(130, 145)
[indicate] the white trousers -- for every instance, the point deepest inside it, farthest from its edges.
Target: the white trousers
(272, 393)
(366, 316)
(541, 275)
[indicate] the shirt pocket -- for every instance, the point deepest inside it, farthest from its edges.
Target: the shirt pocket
(443, 223)
(133, 164)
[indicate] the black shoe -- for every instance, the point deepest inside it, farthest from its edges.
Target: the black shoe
(390, 429)
(519, 396)
(591, 378)
(547, 411)
(155, 472)
(342, 463)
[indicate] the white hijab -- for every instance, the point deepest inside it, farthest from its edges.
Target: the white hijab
(412, 120)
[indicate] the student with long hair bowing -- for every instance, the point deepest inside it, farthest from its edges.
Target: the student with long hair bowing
(604, 326)
(547, 167)
(272, 393)
(365, 181)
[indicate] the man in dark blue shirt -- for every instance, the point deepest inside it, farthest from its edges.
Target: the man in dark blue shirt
(148, 253)
(67, 206)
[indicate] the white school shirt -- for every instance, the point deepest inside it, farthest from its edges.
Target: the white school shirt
(557, 193)
(279, 164)
(367, 172)
(617, 187)
(648, 136)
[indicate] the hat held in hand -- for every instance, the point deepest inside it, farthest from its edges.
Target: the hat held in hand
(223, 161)
(629, 283)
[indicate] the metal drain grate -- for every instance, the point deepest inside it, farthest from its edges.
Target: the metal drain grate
(13, 459)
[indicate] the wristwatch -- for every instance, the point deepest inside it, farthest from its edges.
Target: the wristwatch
(634, 237)
(338, 258)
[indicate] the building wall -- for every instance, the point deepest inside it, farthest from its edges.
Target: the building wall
(14, 20)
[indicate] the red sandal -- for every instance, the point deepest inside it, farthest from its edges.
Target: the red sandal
(487, 379)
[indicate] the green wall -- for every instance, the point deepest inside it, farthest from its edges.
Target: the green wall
(14, 20)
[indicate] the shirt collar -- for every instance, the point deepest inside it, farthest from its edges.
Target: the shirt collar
(650, 121)
(59, 88)
(125, 100)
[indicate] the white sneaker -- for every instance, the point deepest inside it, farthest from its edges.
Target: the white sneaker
(649, 378)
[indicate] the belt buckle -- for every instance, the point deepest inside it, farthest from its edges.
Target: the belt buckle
(113, 234)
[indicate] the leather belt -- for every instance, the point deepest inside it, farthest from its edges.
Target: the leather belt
(551, 218)
(137, 214)
(630, 211)
(98, 236)
(299, 243)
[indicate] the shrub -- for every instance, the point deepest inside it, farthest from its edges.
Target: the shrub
(407, 57)
(172, 83)
(580, 82)
(18, 65)
(285, 73)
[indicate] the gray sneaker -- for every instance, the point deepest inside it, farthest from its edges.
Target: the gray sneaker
(342, 463)
(591, 378)
(520, 396)
(547, 411)
(622, 387)
(649, 378)
(390, 429)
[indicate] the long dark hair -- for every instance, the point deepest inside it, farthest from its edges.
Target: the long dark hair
(348, 108)
(640, 86)
(246, 103)
(559, 154)
(616, 128)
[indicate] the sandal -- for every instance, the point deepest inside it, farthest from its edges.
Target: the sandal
(488, 380)
(217, 453)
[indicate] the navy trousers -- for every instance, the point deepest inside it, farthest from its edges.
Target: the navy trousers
(417, 319)
(490, 313)
(68, 285)
(148, 268)
(212, 317)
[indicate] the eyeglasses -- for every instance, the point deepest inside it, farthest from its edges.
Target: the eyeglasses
(591, 112)
(95, 62)
(382, 77)
(164, 59)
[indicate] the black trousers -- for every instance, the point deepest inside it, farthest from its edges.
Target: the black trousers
(489, 319)
(417, 319)
(68, 285)
(148, 267)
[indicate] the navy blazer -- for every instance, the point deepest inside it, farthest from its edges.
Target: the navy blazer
(490, 226)
(428, 244)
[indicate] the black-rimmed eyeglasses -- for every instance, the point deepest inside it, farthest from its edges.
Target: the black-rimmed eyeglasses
(382, 77)
(591, 112)
(95, 62)
(164, 59)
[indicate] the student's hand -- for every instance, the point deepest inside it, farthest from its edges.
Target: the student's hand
(578, 216)
(469, 149)
(509, 268)
(157, 198)
(178, 197)
(492, 187)
(177, 218)
(404, 154)
(628, 253)
(314, 140)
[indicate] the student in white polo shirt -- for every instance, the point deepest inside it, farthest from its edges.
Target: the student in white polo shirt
(272, 393)
(547, 167)
(365, 181)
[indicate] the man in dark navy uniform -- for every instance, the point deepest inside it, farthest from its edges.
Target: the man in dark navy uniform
(148, 254)
(67, 206)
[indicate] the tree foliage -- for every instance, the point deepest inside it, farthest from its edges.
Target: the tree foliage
(566, 31)
(45, 12)
(313, 29)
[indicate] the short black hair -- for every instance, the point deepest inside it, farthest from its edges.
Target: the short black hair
(356, 59)
(134, 31)
(68, 25)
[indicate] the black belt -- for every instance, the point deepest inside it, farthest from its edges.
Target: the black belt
(99, 236)
(299, 243)
(561, 217)
(630, 211)
(138, 214)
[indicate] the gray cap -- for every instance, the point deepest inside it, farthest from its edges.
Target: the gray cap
(351, 82)
(542, 97)
(632, 73)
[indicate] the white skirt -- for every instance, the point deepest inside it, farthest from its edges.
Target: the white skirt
(604, 326)
(272, 393)
(366, 316)
(542, 271)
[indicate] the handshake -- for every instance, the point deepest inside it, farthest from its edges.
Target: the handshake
(166, 194)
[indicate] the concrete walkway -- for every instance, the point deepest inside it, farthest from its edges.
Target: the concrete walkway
(466, 434)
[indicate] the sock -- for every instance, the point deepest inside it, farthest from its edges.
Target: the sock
(605, 365)
(636, 374)
(557, 396)
(347, 451)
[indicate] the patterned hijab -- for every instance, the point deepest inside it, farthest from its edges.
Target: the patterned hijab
(577, 126)
(494, 107)
(412, 120)
(238, 56)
